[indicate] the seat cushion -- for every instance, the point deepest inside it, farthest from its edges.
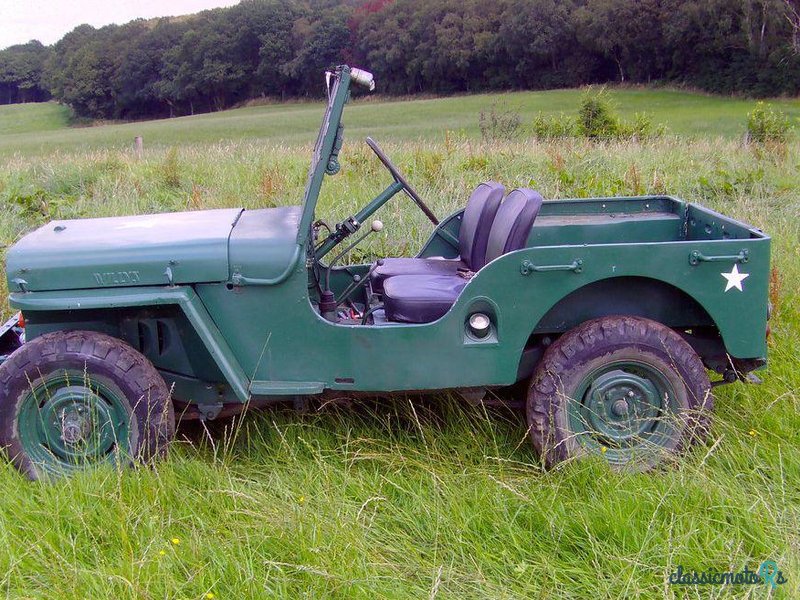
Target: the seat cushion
(420, 298)
(393, 267)
(473, 235)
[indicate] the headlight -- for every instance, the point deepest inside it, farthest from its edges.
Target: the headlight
(362, 77)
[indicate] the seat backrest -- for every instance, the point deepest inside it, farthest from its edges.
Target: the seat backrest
(512, 223)
(477, 222)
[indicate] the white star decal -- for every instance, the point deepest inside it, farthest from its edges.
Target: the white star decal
(735, 279)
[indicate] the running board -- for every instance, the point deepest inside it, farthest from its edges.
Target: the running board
(286, 388)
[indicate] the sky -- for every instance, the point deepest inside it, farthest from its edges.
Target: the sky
(48, 20)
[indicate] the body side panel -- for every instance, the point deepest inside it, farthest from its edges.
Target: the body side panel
(284, 339)
(273, 334)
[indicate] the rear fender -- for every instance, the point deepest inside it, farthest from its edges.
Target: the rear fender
(528, 285)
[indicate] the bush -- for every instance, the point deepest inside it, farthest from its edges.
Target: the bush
(171, 169)
(548, 128)
(596, 121)
(596, 118)
(642, 128)
(499, 123)
(767, 125)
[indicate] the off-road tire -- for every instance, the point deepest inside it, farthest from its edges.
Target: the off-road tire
(140, 394)
(580, 353)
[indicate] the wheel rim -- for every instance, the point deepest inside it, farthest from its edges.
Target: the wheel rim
(70, 420)
(625, 409)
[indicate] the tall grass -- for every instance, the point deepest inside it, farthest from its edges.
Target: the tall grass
(415, 497)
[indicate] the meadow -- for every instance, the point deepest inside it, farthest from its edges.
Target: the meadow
(686, 114)
(411, 497)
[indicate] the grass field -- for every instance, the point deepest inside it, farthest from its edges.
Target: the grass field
(686, 114)
(413, 498)
(26, 119)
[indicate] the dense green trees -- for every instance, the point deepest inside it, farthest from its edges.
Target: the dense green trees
(21, 73)
(278, 48)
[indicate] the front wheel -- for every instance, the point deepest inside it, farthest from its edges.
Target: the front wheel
(625, 388)
(72, 400)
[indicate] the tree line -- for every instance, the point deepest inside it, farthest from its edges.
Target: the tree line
(278, 48)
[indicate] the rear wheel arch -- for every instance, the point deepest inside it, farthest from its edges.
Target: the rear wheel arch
(635, 296)
(642, 297)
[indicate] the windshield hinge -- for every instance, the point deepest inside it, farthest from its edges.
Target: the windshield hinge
(333, 160)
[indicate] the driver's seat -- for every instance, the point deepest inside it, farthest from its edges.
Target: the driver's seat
(472, 239)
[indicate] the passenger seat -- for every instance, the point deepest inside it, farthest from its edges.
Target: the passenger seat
(423, 298)
(472, 239)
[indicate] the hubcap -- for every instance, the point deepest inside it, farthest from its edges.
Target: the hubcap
(620, 408)
(621, 404)
(623, 408)
(75, 426)
(69, 420)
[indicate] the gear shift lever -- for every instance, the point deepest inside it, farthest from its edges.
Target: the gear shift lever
(327, 301)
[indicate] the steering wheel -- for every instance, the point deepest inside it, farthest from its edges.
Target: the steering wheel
(398, 177)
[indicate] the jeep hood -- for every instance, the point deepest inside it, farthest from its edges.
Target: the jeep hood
(186, 247)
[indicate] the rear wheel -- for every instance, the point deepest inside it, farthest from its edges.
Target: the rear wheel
(625, 388)
(73, 400)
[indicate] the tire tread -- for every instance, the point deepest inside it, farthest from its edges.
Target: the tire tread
(152, 406)
(559, 358)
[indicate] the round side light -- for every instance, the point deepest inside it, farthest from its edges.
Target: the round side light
(479, 325)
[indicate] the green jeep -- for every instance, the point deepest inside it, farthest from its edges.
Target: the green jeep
(611, 310)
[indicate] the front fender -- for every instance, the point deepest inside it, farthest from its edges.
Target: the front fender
(183, 296)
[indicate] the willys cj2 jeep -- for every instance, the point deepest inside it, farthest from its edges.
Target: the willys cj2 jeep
(612, 310)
